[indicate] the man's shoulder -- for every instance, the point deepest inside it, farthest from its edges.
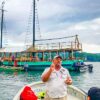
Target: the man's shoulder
(45, 70)
(64, 70)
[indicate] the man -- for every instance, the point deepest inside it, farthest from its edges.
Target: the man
(94, 93)
(57, 78)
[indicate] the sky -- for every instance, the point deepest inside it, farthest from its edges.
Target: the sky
(57, 18)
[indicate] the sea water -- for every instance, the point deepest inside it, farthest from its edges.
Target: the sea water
(11, 82)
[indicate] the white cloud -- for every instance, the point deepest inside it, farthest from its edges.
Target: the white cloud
(91, 48)
(52, 8)
(80, 28)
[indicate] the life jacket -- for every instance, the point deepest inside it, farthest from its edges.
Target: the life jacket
(28, 94)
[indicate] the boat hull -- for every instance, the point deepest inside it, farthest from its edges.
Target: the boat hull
(73, 92)
(41, 65)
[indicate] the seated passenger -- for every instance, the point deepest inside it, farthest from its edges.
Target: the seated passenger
(94, 93)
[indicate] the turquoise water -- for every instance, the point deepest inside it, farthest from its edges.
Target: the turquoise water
(11, 82)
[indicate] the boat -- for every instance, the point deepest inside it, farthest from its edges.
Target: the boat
(39, 88)
(83, 69)
(39, 56)
(9, 68)
(34, 64)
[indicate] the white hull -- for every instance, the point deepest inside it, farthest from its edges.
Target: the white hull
(73, 92)
(83, 69)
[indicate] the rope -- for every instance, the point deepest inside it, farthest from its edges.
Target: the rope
(55, 38)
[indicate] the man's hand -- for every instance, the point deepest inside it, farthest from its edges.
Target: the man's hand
(52, 67)
(68, 81)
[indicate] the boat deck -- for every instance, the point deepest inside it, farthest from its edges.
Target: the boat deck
(70, 97)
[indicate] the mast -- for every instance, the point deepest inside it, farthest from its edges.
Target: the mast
(33, 44)
(2, 19)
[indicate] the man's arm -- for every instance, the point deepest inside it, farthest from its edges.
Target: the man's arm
(68, 80)
(46, 75)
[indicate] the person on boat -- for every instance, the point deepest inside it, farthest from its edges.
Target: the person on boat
(31, 58)
(15, 63)
(57, 78)
(94, 93)
(13, 57)
(37, 58)
(1, 61)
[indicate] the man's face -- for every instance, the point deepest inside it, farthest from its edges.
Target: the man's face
(88, 98)
(57, 61)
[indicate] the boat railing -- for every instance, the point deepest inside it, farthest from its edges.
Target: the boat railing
(77, 92)
(59, 46)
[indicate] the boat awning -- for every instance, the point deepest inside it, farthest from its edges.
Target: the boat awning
(31, 49)
(2, 49)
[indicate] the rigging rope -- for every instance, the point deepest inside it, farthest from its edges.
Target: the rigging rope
(55, 38)
(38, 24)
(28, 38)
(5, 33)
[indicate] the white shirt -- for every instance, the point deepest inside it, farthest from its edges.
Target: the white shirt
(55, 86)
